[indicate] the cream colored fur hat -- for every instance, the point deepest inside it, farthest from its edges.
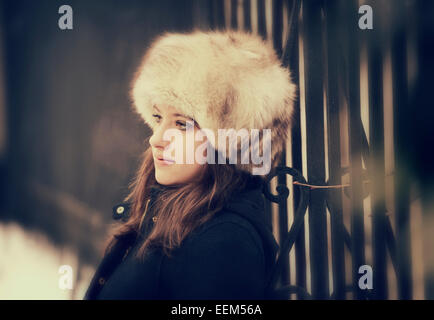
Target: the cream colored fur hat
(221, 79)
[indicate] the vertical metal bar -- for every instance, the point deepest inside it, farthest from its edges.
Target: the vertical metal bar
(291, 59)
(428, 218)
(247, 14)
(334, 152)
(262, 28)
(217, 17)
(376, 165)
(422, 133)
(277, 7)
(277, 23)
(234, 8)
(283, 224)
(290, 51)
(312, 39)
(356, 135)
(402, 181)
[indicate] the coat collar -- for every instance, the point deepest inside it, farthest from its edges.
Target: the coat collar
(121, 211)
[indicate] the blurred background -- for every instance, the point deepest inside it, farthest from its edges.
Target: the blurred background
(70, 142)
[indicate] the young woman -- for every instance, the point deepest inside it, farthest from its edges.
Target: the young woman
(197, 229)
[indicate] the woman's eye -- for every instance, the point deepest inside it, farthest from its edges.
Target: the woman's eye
(184, 125)
(157, 117)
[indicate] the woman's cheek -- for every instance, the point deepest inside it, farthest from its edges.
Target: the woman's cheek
(189, 147)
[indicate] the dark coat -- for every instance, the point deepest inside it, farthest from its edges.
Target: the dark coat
(228, 257)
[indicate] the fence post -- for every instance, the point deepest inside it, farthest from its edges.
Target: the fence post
(401, 143)
(314, 62)
(356, 142)
(334, 152)
(376, 165)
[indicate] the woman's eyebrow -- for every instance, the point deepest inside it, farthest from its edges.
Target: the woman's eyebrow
(175, 114)
(182, 115)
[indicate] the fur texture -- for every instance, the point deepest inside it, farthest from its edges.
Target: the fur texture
(222, 79)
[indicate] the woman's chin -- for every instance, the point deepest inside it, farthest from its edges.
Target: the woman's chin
(164, 178)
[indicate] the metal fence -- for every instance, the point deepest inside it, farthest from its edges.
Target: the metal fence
(341, 198)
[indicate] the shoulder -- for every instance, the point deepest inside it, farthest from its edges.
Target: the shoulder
(220, 260)
(230, 224)
(227, 232)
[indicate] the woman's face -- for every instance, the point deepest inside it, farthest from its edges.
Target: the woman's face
(168, 119)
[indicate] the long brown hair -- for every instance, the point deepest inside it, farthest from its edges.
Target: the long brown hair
(183, 208)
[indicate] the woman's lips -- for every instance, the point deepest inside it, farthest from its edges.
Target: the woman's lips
(163, 162)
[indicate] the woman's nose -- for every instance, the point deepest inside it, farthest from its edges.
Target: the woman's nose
(156, 140)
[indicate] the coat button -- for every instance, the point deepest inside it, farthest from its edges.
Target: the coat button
(101, 281)
(120, 210)
(154, 219)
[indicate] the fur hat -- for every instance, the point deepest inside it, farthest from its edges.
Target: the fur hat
(221, 79)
